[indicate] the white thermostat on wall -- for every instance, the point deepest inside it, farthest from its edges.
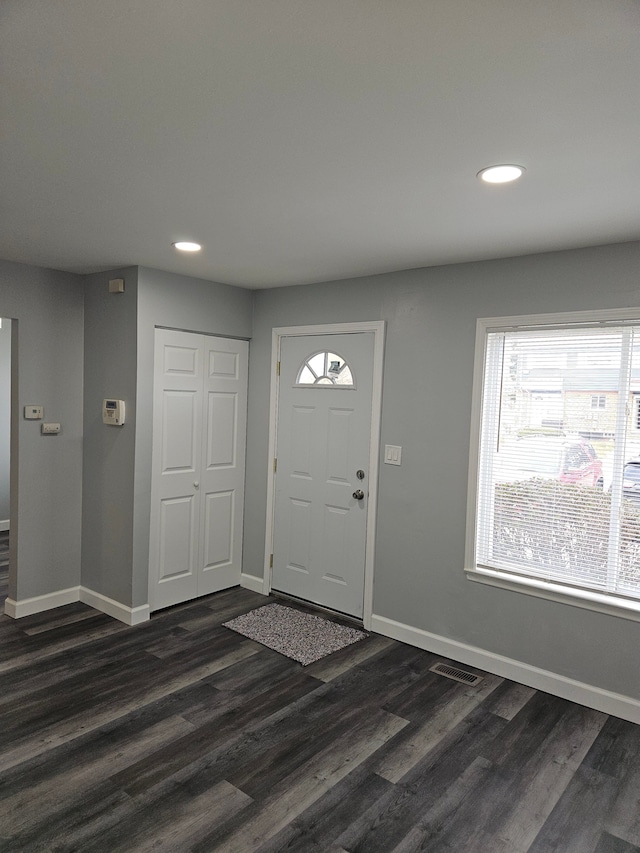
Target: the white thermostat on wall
(113, 412)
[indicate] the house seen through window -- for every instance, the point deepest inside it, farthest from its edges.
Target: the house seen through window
(557, 501)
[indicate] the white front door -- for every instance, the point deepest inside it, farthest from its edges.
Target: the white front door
(323, 454)
(197, 486)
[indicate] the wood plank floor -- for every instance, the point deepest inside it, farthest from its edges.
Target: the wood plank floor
(180, 735)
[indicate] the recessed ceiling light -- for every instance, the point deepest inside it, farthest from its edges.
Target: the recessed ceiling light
(500, 174)
(186, 246)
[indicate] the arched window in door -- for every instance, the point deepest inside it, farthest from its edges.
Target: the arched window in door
(325, 369)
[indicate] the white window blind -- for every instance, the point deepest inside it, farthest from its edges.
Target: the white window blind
(556, 496)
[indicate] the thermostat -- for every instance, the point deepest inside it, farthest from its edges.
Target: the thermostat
(113, 412)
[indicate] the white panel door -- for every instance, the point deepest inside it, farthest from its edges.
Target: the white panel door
(223, 461)
(323, 440)
(197, 489)
(177, 450)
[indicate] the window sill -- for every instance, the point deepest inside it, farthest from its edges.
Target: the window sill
(586, 599)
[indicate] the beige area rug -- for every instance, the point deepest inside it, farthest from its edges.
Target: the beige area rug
(300, 636)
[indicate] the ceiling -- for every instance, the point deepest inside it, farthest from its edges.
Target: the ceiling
(304, 141)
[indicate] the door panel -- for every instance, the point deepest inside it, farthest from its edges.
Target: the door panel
(183, 360)
(177, 528)
(222, 475)
(300, 523)
(323, 438)
(177, 439)
(300, 432)
(335, 543)
(339, 444)
(197, 490)
(180, 431)
(219, 529)
(223, 365)
(222, 429)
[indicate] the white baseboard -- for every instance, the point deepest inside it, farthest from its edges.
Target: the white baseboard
(5, 525)
(253, 583)
(616, 704)
(128, 615)
(40, 603)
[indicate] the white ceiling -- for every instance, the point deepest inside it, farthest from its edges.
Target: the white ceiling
(309, 140)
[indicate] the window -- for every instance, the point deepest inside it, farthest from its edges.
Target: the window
(325, 369)
(556, 491)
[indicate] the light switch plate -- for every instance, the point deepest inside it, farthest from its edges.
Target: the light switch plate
(33, 413)
(50, 429)
(392, 454)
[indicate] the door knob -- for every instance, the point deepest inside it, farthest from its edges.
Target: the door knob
(358, 494)
(196, 485)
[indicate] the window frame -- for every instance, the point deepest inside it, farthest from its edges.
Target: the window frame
(588, 599)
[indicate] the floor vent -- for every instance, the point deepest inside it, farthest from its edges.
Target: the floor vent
(456, 674)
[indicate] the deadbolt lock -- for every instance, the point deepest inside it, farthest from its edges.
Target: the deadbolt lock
(360, 474)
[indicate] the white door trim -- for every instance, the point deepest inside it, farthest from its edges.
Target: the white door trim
(378, 329)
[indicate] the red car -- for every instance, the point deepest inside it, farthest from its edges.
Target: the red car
(549, 457)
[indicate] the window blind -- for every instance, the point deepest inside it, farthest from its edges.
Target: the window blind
(558, 490)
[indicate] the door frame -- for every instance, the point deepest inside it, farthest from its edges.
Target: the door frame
(378, 329)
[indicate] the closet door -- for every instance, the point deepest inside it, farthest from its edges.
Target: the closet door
(223, 456)
(197, 487)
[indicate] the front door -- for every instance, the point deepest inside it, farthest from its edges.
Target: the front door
(322, 476)
(197, 487)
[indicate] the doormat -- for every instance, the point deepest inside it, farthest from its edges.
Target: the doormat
(296, 635)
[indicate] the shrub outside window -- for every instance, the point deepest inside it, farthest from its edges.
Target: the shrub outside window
(555, 477)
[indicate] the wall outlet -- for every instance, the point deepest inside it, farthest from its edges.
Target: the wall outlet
(33, 413)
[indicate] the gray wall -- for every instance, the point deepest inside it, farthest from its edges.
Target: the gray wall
(119, 336)
(431, 316)
(46, 477)
(5, 418)
(177, 302)
(110, 355)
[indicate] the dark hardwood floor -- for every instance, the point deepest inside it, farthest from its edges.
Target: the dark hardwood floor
(180, 735)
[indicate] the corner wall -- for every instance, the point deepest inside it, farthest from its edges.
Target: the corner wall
(5, 421)
(109, 451)
(46, 477)
(192, 305)
(419, 580)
